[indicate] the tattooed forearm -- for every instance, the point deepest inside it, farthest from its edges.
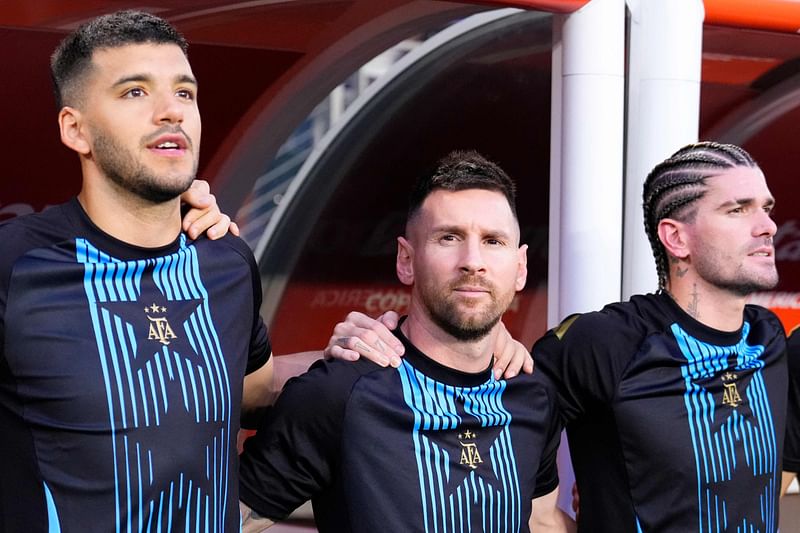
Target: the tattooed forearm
(252, 522)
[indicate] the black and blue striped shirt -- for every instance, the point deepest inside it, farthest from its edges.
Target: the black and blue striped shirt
(121, 374)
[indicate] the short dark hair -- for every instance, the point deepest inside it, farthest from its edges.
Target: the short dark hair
(72, 59)
(458, 171)
(674, 185)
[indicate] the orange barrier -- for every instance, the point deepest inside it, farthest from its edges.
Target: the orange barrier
(773, 15)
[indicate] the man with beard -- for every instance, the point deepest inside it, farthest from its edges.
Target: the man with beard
(125, 342)
(439, 442)
(675, 402)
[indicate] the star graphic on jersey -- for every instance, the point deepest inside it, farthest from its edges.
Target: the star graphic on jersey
(468, 446)
(157, 323)
(741, 494)
(729, 389)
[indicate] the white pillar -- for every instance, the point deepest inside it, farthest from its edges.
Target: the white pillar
(586, 176)
(663, 112)
(586, 151)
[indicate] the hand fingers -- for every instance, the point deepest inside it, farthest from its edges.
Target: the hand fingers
(220, 228)
(359, 347)
(369, 338)
(389, 319)
(510, 355)
(502, 358)
(527, 366)
(518, 360)
(200, 186)
(198, 195)
(234, 227)
(209, 220)
(335, 351)
(358, 324)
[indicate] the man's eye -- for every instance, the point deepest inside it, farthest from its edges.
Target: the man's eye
(135, 92)
(185, 93)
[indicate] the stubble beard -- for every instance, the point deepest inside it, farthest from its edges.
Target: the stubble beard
(444, 309)
(121, 167)
(741, 283)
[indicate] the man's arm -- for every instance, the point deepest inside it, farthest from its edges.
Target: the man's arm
(786, 480)
(252, 522)
(262, 387)
(547, 517)
(360, 335)
(259, 390)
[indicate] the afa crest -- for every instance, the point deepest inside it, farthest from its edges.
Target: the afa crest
(470, 455)
(730, 396)
(159, 330)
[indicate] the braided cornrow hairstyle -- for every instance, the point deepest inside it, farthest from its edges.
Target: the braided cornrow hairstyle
(673, 186)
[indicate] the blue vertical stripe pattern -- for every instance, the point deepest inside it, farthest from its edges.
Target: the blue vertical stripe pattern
(53, 523)
(493, 503)
(143, 386)
(717, 442)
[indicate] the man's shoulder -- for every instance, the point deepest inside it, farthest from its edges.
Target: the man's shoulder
(638, 317)
(229, 245)
(26, 232)
(537, 384)
(755, 313)
(336, 377)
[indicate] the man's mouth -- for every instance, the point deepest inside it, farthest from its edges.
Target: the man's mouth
(763, 252)
(169, 142)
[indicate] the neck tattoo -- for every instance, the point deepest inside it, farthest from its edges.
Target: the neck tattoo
(692, 307)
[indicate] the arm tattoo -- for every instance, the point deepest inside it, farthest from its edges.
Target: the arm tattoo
(252, 522)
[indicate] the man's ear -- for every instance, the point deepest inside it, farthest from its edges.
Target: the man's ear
(522, 267)
(674, 237)
(71, 125)
(405, 261)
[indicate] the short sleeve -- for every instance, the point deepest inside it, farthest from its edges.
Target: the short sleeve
(791, 450)
(547, 475)
(294, 453)
(260, 347)
(584, 357)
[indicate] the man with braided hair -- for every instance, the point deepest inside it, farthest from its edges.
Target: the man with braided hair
(675, 401)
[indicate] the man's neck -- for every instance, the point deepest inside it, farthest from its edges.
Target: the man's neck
(715, 307)
(129, 218)
(465, 356)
